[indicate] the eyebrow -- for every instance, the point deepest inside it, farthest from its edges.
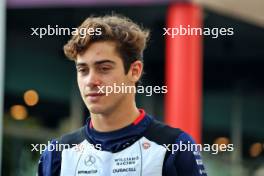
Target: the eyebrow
(83, 64)
(80, 64)
(104, 61)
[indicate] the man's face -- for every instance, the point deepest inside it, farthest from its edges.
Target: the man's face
(100, 65)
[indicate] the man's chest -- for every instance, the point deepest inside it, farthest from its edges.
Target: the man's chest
(143, 158)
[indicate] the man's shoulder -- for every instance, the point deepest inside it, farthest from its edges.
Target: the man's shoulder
(162, 133)
(53, 150)
(74, 137)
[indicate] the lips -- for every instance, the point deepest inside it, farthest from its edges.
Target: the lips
(93, 97)
(94, 94)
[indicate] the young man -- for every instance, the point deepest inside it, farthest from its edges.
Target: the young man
(119, 139)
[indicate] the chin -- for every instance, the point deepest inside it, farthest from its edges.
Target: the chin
(95, 109)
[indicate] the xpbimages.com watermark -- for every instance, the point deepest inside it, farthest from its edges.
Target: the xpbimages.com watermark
(56, 146)
(189, 146)
(125, 89)
(62, 31)
(197, 31)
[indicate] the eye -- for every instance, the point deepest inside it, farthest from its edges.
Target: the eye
(82, 70)
(104, 68)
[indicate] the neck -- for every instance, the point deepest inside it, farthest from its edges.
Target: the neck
(120, 117)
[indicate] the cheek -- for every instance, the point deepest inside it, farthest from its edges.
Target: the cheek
(121, 77)
(108, 79)
(80, 84)
(118, 80)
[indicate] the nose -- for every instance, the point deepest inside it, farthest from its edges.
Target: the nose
(92, 80)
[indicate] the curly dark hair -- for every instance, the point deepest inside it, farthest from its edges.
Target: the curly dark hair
(129, 37)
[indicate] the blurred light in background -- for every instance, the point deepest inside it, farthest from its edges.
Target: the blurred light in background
(31, 97)
(18, 112)
(255, 149)
(221, 140)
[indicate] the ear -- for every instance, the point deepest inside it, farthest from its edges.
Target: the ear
(135, 71)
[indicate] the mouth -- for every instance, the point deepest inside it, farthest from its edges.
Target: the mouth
(95, 94)
(93, 97)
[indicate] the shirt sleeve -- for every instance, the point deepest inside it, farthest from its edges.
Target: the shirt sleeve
(50, 161)
(184, 159)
